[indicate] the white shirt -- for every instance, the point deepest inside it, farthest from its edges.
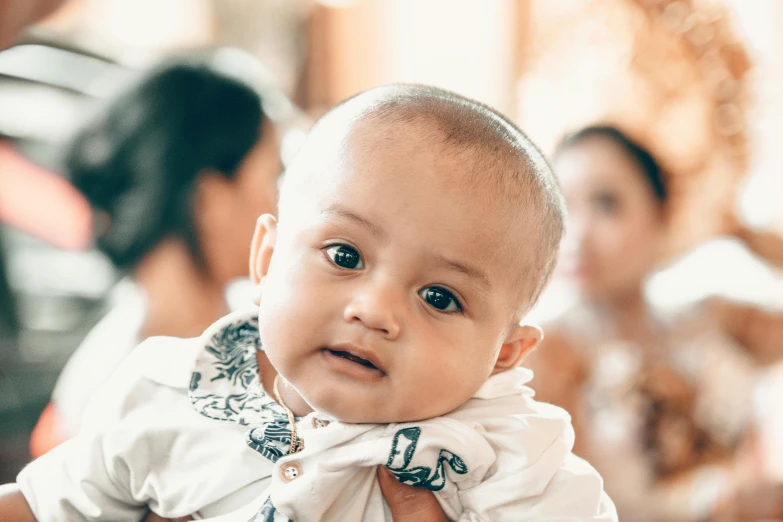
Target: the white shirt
(209, 441)
(100, 354)
(115, 336)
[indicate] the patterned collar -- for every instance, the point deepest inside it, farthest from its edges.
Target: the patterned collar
(225, 385)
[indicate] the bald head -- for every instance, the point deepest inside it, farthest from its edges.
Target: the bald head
(503, 161)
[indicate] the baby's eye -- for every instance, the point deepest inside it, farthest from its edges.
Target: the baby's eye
(345, 257)
(440, 299)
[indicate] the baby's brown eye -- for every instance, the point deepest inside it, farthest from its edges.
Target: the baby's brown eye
(440, 299)
(345, 257)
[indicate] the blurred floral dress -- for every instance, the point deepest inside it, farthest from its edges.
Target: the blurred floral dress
(660, 419)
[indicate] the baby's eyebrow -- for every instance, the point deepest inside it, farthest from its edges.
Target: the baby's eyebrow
(338, 210)
(335, 209)
(474, 273)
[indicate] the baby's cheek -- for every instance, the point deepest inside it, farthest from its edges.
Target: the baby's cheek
(442, 386)
(273, 325)
(471, 374)
(266, 332)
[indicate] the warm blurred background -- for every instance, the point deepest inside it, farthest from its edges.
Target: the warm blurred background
(697, 83)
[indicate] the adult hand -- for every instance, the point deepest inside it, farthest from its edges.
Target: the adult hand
(407, 503)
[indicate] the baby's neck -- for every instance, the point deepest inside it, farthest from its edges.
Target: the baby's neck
(290, 396)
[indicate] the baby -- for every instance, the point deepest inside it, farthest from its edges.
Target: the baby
(416, 229)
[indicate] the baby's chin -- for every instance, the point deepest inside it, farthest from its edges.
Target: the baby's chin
(360, 412)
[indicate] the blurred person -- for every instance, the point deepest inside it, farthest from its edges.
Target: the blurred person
(661, 403)
(375, 343)
(9, 322)
(176, 169)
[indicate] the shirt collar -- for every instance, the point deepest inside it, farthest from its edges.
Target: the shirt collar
(225, 383)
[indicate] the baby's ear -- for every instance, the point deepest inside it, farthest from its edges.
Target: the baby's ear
(520, 342)
(261, 250)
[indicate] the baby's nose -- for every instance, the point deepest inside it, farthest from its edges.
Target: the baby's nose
(377, 310)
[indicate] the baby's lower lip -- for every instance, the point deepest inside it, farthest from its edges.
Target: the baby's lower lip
(351, 366)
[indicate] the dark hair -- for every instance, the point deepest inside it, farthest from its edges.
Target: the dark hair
(9, 321)
(139, 159)
(647, 164)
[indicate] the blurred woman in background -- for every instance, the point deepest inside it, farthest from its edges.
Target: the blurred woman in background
(9, 323)
(661, 404)
(177, 170)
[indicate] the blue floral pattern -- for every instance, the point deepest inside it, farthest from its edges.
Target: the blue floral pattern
(401, 458)
(234, 350)
(226, 386)
(268, 513)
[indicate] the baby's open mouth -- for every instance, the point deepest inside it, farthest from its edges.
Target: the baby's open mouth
(353, 358)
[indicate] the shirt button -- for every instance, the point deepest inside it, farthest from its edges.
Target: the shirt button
(320, 423)
(290, 471)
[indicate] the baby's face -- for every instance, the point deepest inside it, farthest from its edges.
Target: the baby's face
(391, 287)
